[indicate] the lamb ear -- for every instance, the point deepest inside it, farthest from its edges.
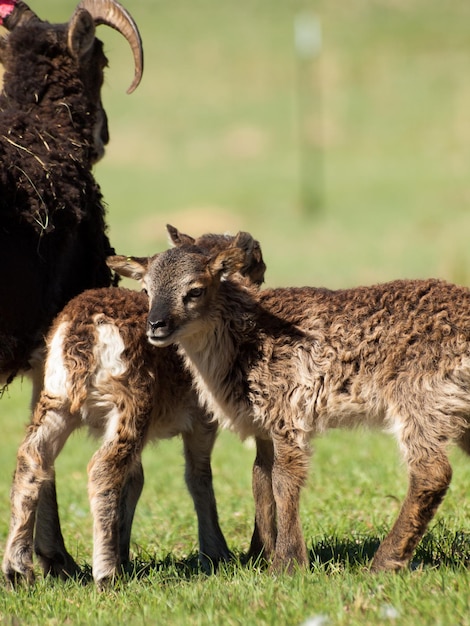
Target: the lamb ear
(81, 34)
(227, 262)
(245, 242)
(256, 268)
(177, 238)
(129, 266)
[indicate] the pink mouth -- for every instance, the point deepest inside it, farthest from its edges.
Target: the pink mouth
(6, 8)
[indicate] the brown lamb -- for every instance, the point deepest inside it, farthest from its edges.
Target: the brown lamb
(101, 371)
(285, 364)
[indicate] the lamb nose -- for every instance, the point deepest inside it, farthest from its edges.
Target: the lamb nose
(157, 324)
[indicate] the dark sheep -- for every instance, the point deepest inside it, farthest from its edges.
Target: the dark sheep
(53, 128)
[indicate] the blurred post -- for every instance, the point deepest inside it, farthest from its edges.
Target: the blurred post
(308, 44)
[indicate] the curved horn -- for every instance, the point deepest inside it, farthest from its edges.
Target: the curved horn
(15, 13)
(111, 13)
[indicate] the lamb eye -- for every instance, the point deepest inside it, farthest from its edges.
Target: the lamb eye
(143, 290)
(195, 293)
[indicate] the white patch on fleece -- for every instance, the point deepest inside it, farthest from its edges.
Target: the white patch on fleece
(55, 378)
(395, 427)
(109, 349)
(109, 365)
(112, 422)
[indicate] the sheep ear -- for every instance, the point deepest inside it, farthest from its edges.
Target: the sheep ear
(245, 242)
(81, 34)
(254, 266)
(227, 262)
(177, 238)
(129, 266)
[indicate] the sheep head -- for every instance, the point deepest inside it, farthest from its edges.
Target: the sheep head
(253, 269)
(66, 58)
(181, 282)
(182, 285)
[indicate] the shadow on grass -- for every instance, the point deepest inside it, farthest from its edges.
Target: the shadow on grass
(168, 567)
(144, 566)
(448, 549)
(438, 547)
(354, 551)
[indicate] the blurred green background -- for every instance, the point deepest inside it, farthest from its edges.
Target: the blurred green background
(231, 129)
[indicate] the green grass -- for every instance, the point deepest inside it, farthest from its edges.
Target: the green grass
(352, 497)
(210, 142)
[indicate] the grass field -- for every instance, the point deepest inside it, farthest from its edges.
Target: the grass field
(231, 130)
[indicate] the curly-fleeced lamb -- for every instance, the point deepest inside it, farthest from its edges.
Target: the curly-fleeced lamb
(284, 364)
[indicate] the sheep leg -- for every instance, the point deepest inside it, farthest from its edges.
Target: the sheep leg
(198, 445)
(428, 484)
(129, 498)
(263, 540)
(289, 473)
(49, 543)
(34, 472)
(108, 473)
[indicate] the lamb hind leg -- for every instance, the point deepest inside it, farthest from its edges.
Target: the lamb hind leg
(34, 472)
(429, 482)
(129, 498)
(27, 481)
(289, 474)
(263, 540)
(49, 543)
(108, 473)
(198, 445)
